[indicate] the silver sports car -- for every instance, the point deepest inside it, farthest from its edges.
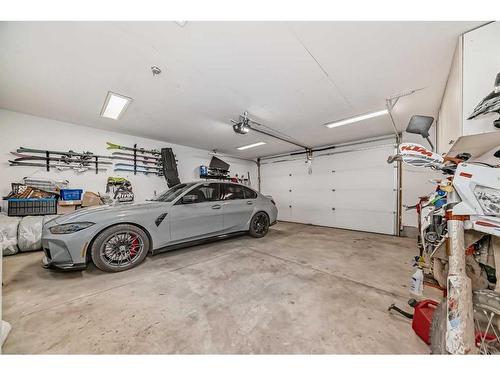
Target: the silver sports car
(119, 237)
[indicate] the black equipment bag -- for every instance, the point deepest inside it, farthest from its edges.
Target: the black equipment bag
(216, 163)
(169, 167)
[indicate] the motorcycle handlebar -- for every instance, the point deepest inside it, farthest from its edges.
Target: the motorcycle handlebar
(391, 159)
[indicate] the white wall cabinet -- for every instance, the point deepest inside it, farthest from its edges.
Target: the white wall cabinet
(475, 65)
(449, 126)
(480, 67)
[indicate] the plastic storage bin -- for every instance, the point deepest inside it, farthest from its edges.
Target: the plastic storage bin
(71, 194)
(32, 207)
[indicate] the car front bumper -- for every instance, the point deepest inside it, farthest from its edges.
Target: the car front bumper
(65, 251)
(48, 263)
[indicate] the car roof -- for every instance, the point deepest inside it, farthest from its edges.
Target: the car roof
(208, 181)
(217, 181)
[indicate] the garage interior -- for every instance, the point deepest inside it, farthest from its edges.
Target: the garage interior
(304, 112)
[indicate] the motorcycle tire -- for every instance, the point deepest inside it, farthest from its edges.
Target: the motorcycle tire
(484, 301)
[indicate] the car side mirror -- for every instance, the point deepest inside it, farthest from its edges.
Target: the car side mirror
(189, 199)
(421, 125)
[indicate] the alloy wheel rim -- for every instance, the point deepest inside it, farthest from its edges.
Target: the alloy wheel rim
(122, 249)
(260, 224)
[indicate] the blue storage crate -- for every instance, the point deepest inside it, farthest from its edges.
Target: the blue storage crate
(32, 207)
(71, 194)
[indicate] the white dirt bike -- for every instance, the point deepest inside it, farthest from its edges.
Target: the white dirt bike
(459, 239)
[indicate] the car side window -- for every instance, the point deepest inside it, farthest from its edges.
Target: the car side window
(249, 193)
(206, 193)
(232, 192)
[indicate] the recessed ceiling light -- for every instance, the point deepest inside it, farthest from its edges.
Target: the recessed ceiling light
(181, 23)
(155, 70)
(252, 145)
(115, 105)
(350, 120)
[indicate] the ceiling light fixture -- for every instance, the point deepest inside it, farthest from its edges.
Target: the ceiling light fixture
(252, 145)
(241, 128)
(350, 120)
(115, 105)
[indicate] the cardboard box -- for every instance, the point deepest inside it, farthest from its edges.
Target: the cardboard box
(65, 207)
(91, 199)
(69, 203)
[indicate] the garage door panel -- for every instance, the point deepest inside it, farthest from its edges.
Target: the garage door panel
(368, 220)
(311, 203)
(371, 157)
(365, 178)
(360, 199)
(342, 189)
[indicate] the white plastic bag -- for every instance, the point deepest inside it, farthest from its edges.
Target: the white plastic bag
(8, 234)
(29, 234)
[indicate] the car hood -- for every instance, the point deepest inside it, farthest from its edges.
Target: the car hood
(117, 209)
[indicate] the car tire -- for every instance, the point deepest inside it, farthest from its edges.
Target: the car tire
(119, 248)
(259, 225)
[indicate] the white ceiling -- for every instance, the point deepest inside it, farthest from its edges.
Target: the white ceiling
(292, 76)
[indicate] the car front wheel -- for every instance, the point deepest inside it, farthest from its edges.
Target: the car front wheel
(259, 225)
(119, 248)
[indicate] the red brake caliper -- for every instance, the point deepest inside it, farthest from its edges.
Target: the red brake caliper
(133, 248)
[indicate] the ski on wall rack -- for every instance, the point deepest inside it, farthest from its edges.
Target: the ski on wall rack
(139, 157)
(63, 158)
(69, 153)
(135, 171)
(82, 160)
(77, 167)
(164, 160)
(147, 167)
(113, 146)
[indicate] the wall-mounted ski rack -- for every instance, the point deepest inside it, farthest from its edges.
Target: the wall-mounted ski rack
(138, 155)
(84, 158)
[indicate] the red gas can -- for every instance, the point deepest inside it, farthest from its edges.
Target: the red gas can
(422, 318)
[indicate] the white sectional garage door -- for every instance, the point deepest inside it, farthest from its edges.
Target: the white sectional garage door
(353, 189)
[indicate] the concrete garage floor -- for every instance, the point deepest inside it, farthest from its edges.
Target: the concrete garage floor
(301, 289)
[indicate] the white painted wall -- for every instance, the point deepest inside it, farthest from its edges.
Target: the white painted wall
(481, 65)
(17, 129)
(349, 187)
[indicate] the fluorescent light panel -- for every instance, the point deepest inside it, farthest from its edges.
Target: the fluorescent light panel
(115, 105)
(252, 145)
(356, 118)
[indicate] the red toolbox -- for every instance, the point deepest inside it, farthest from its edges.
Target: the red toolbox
(422, 319)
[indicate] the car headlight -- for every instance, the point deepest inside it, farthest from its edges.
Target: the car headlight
(69, 228)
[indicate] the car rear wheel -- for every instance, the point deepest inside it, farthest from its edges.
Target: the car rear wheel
(259, 225)
(119, 248)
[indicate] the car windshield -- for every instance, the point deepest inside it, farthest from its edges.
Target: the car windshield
(174, 192)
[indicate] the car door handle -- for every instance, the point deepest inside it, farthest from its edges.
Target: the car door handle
(216, 207)
(249, 202)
